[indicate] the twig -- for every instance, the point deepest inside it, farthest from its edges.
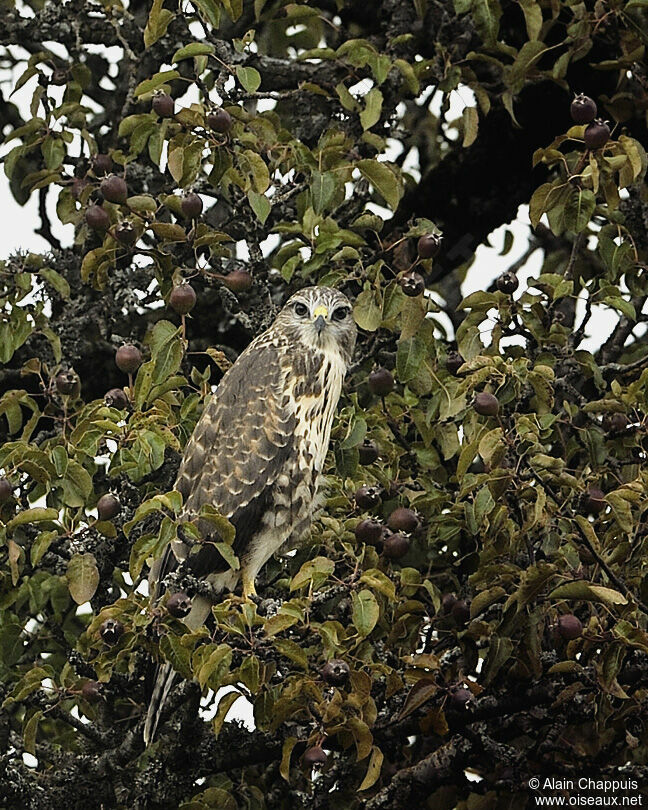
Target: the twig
(45, 229)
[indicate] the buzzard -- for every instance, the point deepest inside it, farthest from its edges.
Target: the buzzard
(257, 451)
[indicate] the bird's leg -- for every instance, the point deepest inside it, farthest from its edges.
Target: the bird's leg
(248, 586)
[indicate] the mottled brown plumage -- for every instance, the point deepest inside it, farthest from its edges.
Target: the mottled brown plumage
(258, 448)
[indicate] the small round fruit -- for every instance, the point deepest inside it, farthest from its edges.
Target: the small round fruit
(59, 77)
(448, 601)
(77, 185)
(336, 672)
(369, 531)
(454, 362)
(315, 755)
(162, 104)
(219, 121)
(412, 284)
(191, 206)
(238, 281)
(403, 519)
(101, 164)
(114, 189)
(460, 697)
(597, 134)
(66, 382)
(570, 626)
(367, 453)
(429, 245)
(97, 218)
(6, 490)
(92, 691)
(507, 283)
(486, 404)
(583, 109)
(381, 382)
(367, 497)
(396, 546)
(618, 423)
(461, 612)
(182, 298)
(179, 605)
(111, 631)
(595, 500)
(125, 234)
(108, 507)
(116, 398)
(128, 358)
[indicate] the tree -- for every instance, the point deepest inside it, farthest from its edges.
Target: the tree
(479, 569)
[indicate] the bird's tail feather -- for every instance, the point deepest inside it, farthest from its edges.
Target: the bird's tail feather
(164, 679)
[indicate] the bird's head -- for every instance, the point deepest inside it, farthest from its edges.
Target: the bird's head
(320, 317)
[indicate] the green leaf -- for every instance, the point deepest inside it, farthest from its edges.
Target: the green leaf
(178, 656)
(249, 77)
(579, 209)
(373, 769)
(157, 24)
(149, 85)
(367, 311)
(56, 280)
(38, 514)
(53, 151)
(373, 107)
(383, 179)
(82, 577)
(579, 589)
(286, 751)
(409, 357)
(210, 10)
(470, 125)
(195, 49)
(364, 611)
(486, 14)
(323, 187)
(260, 204)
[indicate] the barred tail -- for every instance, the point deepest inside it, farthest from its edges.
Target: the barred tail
(164, 679)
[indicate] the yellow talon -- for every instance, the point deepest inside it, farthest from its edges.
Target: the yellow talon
(248, 588)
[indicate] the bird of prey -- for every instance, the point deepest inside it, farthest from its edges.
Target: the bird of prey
(257, 450)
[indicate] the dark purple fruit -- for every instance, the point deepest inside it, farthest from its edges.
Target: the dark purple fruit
(618, 422)
(336, 672)
(367, 453)
(111, 630)
(108, 507)
(219, 121)
(238, 281)
(6, 490)
(59, 77)
(162, 104)
(403, 520)
(583, 109)
(396, 546)
(101, 164)
(77, 186)
(369, 531)
(454, 362)
(461, 612)
(66, 382)
(97, 218)
(460, 697)
(448, 601)
(507, 283)
(570, 626)
(116, 398)
(412, 284)
(367, 497)
(92, 691)
(486, 404)
(315, 755)
(114, 189)
(381, 382)
(191, 206)
(594, 500)
(128, 358)
(125, 234)
(597, 134)
(182, 298)
(179, 605)
(429, 245)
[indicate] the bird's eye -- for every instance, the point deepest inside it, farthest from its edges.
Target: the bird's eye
(341, 313)
(301, 310)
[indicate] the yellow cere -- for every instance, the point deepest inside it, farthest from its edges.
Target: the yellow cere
(321, 310)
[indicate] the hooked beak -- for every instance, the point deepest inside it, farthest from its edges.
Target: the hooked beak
(319, 319)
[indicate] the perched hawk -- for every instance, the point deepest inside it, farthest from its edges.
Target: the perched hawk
(257, 450)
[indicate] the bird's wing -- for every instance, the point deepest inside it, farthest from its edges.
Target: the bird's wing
(238, 448)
